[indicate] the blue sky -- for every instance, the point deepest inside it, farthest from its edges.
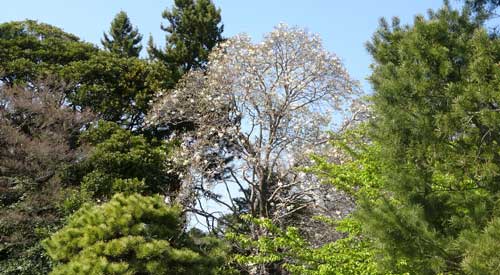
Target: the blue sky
(345, 26)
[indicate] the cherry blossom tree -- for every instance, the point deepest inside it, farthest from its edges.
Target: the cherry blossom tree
(259, 111)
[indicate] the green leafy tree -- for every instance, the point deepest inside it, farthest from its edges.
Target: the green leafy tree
(123, 38)
(194, 29)
(130, 235)
(30, 50)
(436, 120)
(290, 250)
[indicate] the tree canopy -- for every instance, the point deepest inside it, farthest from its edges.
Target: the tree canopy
(30, 50)
(123, 38)
(194, 28)
(435, 104)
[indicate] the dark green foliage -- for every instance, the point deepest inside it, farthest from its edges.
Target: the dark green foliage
(30, 50)
(45, 173)
(194, 29)
(129, 235)
(122, 162)
(123, 38)
(436, 106)
(117, 88)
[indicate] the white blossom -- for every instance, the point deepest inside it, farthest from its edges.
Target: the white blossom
(271, 104)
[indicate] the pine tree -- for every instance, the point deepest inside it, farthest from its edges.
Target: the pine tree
(123, 38)
(436, 106)
(194, 29)
(130, 235)
(484, 9)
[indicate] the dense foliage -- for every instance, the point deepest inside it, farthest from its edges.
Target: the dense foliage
(129, 235)
(54, 154)
(30, 50)
(108, 159)
(120, 161)
(116, 88)
(436, 109)
(38, 137)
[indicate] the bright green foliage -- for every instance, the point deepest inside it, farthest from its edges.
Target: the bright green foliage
(30, 50)
(123, 38)
(287, 248)
(117, 88)
(194, 29)
(436, 105)
(122, 162)
(129, 235)
(358, 175)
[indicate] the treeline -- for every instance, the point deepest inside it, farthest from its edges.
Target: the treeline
(108, 159)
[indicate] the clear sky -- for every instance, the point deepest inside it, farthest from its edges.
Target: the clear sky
(345, 26)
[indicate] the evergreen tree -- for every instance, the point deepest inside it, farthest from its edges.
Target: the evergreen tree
(120, 161)
(116, 88)
(483, 9)
(436, 105)
(194, 29)
(130, 235)
(30, 51)
(123, 38)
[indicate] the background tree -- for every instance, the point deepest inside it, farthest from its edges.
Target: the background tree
(30, 51)
(123, 38)
(116, 88)
(130, 235)
(436, 115)
(194, 29)
(38, 138)
(120, 161)
(46, 169)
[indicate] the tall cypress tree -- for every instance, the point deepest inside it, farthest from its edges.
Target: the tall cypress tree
(194, 29)
(123, 38)
(437, 118)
